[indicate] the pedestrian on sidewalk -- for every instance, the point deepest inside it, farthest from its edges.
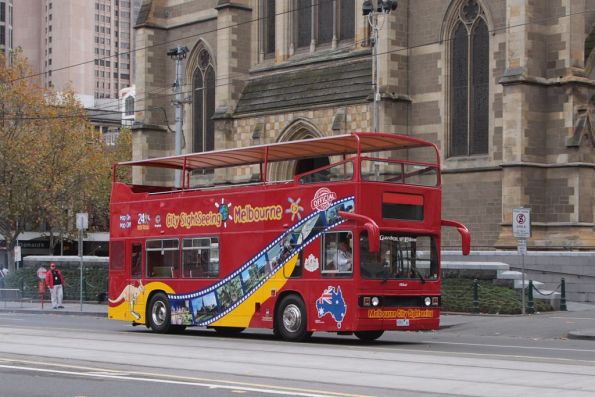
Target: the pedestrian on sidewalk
(55, 281)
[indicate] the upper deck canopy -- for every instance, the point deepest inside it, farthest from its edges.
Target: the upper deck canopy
(356, 142)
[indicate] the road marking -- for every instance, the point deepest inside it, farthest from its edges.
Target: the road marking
(236, 387)
(511, 346)
(573, 318)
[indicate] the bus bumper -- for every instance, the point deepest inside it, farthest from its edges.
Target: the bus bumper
(398, 319)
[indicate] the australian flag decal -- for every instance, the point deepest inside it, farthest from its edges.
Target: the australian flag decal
(331, 302)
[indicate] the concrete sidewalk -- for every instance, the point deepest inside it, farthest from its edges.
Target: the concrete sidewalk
(447, 321)
(70, 308)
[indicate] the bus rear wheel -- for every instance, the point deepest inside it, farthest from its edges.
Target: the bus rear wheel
(368, 336)
(290, 319)
(159, 314)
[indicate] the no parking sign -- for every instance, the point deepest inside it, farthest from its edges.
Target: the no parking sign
(521, 223)
(41, 273)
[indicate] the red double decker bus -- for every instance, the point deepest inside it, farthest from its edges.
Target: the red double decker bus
(351, 246)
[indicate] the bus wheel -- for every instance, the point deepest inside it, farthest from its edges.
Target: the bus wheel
(291, 321)
(159, 315)
(228, 331)
(368, 336)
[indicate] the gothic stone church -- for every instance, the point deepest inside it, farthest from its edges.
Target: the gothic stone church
(505, 88)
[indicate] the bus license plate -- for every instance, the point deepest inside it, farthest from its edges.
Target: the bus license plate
(402, 322)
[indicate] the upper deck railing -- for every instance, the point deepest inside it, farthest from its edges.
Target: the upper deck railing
(379, 157)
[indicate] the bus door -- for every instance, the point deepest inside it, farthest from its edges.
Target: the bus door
(134, 282)
(136, 262)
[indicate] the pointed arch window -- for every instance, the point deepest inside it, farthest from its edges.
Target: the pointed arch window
(469, 84)
(129, 106)
(203, 103)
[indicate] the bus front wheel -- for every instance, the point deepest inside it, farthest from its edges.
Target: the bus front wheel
(159, 313)
(291, 320)
(368, 336)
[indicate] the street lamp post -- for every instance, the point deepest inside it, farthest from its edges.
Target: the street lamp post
(178, 54)
(372, 10)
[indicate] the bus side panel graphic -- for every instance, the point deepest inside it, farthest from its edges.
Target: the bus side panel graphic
(231, 301)
(242, 314)
(132, 301)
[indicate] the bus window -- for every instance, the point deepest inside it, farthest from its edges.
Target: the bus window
(136, 260)
(400, 257)
(338, 253)
(397, 172)
(117, 255)
(163, 258)
(200, 257)
(336, 173)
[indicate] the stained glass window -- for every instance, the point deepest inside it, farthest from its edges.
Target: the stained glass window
(469, 98)
(304, 23)
(325, 21)
(210, 109)
(480, 89)
(197, 111)
(459, 90)
(203, 104)
(334, 20)
(270, 27)
(347, 18)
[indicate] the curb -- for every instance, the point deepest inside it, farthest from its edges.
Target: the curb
(57, 313)
(586, 334)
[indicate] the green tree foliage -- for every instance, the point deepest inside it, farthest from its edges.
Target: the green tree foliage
(53, 163)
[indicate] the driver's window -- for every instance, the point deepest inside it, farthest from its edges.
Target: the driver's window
(338, 253)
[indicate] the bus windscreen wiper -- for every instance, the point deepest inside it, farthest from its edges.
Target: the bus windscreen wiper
(418, 274)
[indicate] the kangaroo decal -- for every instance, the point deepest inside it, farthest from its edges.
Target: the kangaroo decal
(130, 294)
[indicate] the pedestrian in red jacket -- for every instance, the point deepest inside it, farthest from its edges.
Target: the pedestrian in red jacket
(55, 281)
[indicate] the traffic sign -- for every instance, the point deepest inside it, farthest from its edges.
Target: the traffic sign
(41, 273)
(82, 221)
(521, 222)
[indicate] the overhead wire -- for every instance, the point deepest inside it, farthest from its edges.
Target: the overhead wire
(180, 39)
(258, 19)
(104, 107)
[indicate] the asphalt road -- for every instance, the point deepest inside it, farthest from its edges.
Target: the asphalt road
(59, 355)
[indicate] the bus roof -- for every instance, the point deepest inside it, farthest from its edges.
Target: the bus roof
(293, 150)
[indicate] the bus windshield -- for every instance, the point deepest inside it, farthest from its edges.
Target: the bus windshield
(401, 256)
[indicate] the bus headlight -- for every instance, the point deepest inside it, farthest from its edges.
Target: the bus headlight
(427, 301)
(375, 301)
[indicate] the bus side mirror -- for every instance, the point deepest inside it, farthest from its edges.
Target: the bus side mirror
(463, 231)
(369, 225)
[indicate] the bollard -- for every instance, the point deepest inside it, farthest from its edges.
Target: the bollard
(530, 308)
(475, 296)
(563, 295)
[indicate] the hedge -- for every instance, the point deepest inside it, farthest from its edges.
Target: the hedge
(94, 282)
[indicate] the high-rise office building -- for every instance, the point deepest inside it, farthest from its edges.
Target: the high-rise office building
(80, 44)
(6, 25)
